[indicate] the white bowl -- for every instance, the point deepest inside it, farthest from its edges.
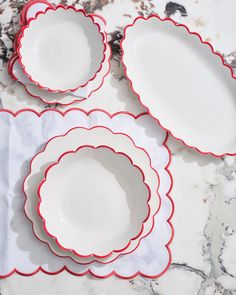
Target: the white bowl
(71, 140)
(183, 83)
(62, 49)
(16, 72)
(98, 206)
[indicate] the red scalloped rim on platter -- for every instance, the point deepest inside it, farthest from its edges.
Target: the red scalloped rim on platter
(141, 97)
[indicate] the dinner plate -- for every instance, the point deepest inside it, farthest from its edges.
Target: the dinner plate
(74, 138)
(183, 83)
(100, 203)
(47, 39)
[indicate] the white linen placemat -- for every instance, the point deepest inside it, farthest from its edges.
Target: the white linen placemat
(23, 135)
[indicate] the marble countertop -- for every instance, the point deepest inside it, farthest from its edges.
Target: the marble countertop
(204, 192)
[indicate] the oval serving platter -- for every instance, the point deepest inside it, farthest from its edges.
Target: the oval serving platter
(183, 83)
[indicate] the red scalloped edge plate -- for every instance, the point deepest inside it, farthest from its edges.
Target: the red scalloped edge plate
(59, 243)
(54, 8)
(89, 272)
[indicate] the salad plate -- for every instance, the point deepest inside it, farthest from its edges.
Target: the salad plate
(70, 141)
(46, 41)
(100, 203)
(185, 85)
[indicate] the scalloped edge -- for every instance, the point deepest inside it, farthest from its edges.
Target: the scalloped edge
(14, 58)
(90, 272)
(139, 96)
(137, 236)
(21, 36)
(27, 6)
(119, 133)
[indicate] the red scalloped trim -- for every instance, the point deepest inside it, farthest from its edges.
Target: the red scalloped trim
(21, 35)
(10, 65)
(99, 16)
(89, 272)
(14, 58)
(119, 133)
(75, 100)
(45, 222)
(23, 14)
(15, 44)
(139, 96)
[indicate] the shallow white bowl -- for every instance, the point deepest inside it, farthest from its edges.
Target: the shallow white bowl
(62, 49)
(98, 206)
(183, 83)
(16, 72)
(77, 137)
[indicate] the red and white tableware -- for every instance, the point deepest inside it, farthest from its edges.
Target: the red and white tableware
(31, 8)
(47, 97)
(61, 49)
(28, 255)
(29, 12)
(183, 83)
(96, 136)
(100, 203)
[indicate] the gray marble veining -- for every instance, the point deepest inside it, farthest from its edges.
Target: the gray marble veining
(204, 192)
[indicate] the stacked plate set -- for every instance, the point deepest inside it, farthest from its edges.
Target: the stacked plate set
(96, 192)
(54, 78)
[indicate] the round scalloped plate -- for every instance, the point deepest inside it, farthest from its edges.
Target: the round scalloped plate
(99, 205)
(70, 141)
(44, 44)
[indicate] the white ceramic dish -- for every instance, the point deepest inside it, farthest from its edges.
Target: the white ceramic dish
(183, 84)
(74, 138)
(61, 49)
(31, 8)
(15, 70)
(100, 203)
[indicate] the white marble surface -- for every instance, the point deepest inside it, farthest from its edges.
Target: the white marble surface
(204, 255)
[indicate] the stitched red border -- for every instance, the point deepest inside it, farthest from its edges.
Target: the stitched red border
(139, 96)
(89, 272)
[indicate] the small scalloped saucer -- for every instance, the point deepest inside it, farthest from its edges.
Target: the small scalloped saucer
(16, 72)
